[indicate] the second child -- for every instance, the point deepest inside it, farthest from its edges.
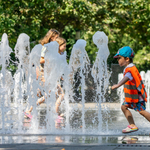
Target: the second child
(51, 35)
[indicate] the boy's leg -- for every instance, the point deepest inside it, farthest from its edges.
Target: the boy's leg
(145, 114)
(39, 93)
(57, 104)
(59, 97)
(128, 115)
(30, 110)
(40, 100)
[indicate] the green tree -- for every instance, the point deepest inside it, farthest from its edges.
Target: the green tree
(126, 22)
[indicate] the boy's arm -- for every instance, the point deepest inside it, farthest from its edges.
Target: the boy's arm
(123, 81)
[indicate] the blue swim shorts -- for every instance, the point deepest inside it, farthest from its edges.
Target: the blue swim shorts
(140, 106)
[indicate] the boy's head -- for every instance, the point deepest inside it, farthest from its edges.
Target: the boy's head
(125, 56)
(125, 51)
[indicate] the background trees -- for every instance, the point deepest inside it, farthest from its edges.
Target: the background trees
(126, 22)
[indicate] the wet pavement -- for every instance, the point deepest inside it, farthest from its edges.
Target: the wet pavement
(72, 147)
(110, 139)
(74, 142)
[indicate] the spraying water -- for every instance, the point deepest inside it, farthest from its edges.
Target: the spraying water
(6, 83)
(79, 68)
(24, 86)
(100, 72)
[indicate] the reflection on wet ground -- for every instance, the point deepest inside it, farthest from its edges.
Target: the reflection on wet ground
(73, 139)
(113, 121)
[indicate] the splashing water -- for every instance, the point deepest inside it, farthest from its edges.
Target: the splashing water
(100, 72)
(81, 83)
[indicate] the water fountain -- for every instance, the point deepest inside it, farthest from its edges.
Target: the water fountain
(19, 91)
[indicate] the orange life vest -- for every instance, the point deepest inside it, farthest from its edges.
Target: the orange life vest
(134, 87)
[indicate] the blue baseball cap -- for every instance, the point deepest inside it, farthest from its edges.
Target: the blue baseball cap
(125, 51)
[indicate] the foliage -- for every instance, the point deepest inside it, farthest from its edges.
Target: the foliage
(126, 22)
(142, 58)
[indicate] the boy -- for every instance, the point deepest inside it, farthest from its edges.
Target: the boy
(134, 89)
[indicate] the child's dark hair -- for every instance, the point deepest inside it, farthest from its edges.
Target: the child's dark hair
(131, 60)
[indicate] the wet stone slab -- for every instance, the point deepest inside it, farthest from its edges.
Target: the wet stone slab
(74, 139)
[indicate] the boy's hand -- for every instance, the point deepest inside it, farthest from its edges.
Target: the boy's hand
(114, 86)
(123, 81)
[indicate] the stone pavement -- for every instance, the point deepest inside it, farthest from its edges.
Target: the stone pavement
(73, 142)
(139, 140)
(31, 146)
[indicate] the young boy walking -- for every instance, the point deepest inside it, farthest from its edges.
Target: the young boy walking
(134, 89)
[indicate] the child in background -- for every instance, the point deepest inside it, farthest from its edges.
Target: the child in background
(51, 35)
(59, 94)
(134, 89)
(62, 47)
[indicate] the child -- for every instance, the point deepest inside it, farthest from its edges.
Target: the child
(51, 35)
(60, 93)
(62, 47)
(134, 89)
